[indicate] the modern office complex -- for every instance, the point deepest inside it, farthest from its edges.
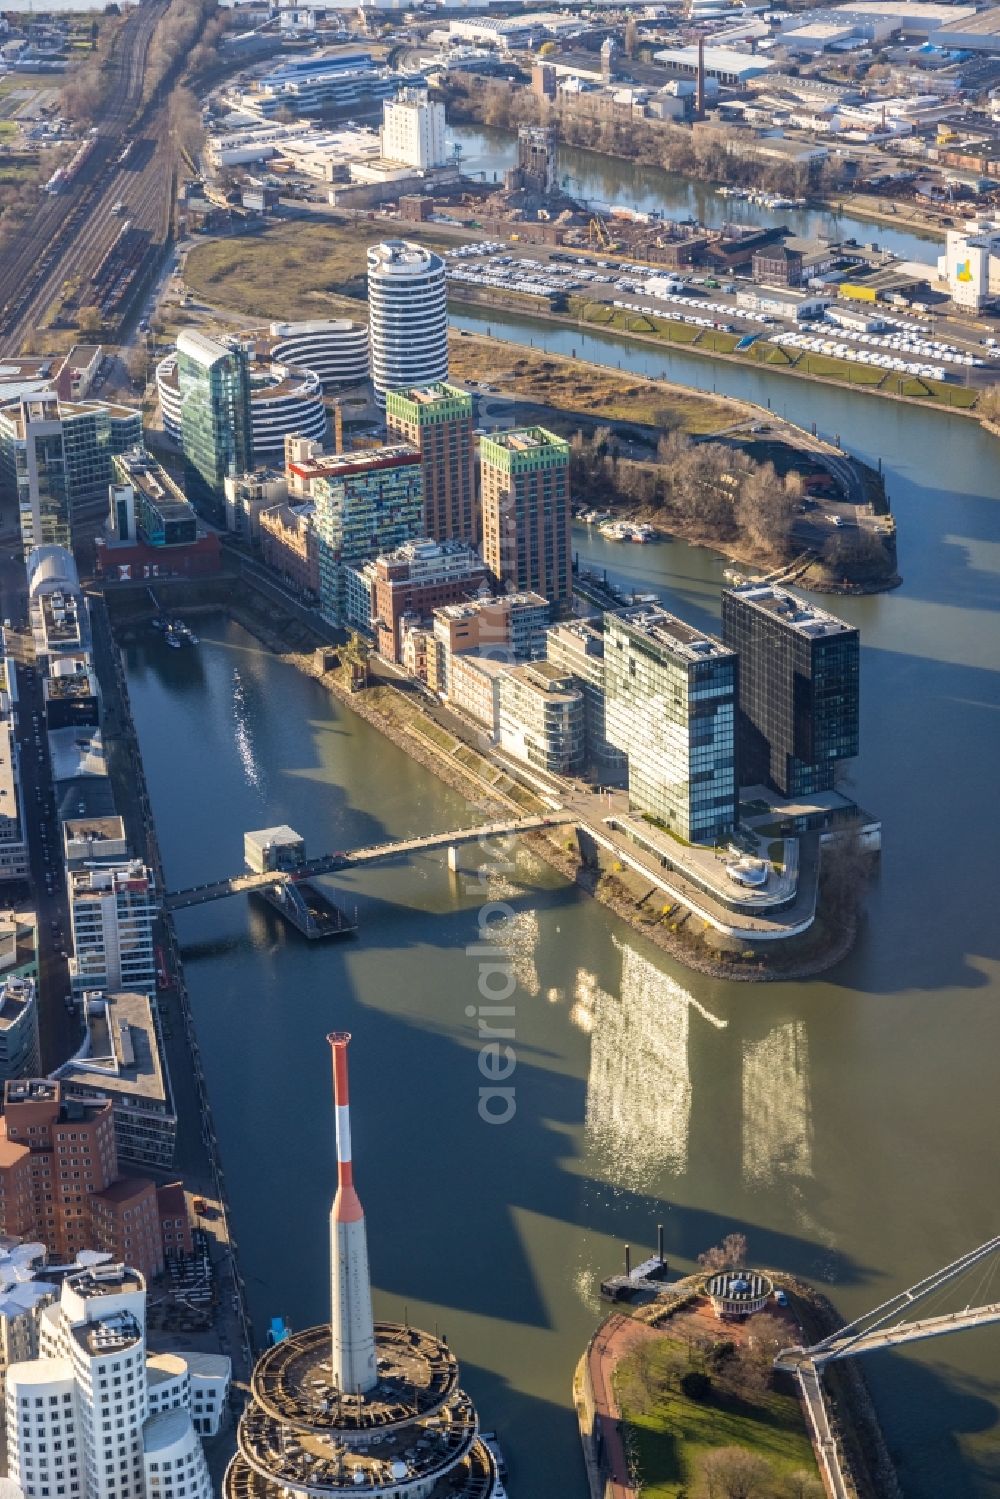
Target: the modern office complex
(506, 630)
(145, 500)
(13, 837)
(391, 1419)
(213, 395)
(316, 85)
(671, 708)
(367, 503)
(20, 1055)
(112, 911)
(576, 647)
(284, 400)
(121, 1061)
(798, 691)
(526, 512)
(59, 617)
(55, 461)
(94, 1415)
(408, 317)
(437, 420)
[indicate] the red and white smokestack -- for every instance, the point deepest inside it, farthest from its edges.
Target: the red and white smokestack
(351, 1326)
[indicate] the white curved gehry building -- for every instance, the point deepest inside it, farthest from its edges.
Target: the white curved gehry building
(90, 1416)
(336, 350)
(407, 316)
(285, 400)
(358, 1406)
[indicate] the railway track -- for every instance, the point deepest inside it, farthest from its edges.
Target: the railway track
(70, 232)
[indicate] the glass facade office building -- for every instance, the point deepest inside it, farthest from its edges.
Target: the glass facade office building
(56, 459)
(216, 433)
(798, 688)
(671, 708)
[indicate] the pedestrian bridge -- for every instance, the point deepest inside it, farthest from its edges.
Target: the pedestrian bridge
(244, 884)
(886, 1326)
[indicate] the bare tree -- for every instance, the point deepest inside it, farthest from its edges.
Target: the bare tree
(801, 1485)
(734, 1473)
(755, 1355)
(731, 1254)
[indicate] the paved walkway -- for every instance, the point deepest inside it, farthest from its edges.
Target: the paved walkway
(613, 1342)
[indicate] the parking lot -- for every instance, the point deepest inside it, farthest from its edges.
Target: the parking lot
(903, 345)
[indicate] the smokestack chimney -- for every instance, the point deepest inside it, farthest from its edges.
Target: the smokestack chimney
(659, 1242)
(628, 1259)
(352, 1330)
(699, 103)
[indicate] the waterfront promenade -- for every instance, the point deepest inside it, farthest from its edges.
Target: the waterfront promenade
(604, 1447)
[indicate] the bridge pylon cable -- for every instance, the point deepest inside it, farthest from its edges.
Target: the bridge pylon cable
(871, 1321)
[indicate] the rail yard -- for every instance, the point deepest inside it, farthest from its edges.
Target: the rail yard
(74, 231)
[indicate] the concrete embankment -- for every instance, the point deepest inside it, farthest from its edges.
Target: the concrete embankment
(758, 367)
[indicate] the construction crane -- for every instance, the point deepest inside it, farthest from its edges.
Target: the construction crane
(598, 233)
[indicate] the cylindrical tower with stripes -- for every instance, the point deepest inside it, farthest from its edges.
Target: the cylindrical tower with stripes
(351, 1325)
(407, 316)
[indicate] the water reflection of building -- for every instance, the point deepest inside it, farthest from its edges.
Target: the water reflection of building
(777, 1117)
(639, 1089)
(518, 935)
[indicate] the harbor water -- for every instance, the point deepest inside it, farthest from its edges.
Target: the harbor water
(597, 179)
(847, 1125)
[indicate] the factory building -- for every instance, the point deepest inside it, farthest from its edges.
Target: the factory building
(970, 264)
(413, 130)
(724, 64)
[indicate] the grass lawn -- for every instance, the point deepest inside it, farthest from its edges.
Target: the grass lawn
(16, 169)
(572, 385)
(672, 1432)
(293, 271)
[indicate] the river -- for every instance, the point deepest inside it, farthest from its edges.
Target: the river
(847, 1125)
(595, 178)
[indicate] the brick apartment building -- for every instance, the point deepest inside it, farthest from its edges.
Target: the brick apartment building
(437, 421)
(416, 579)
(59, 1181)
